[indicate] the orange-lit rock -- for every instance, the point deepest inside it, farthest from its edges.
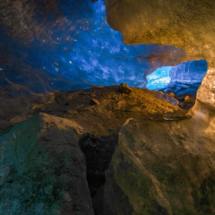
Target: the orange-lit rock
(166, 167)
(185, 24)
(113, 108)
(162, 167)
(124, 88)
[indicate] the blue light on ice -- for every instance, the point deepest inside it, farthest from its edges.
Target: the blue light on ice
(159, 78)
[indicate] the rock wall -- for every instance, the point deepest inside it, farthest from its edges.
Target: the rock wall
(189, 72)
(185, 24)
(162, 168)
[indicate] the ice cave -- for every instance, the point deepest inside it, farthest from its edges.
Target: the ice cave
(107, 107)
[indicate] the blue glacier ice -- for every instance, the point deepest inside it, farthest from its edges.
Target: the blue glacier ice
(76, 49)
(159, 78)
(185, 78)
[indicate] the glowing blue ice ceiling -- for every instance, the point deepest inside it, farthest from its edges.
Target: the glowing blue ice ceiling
(75, 48)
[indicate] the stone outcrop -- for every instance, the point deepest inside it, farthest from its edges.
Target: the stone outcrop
(166, 167)
(124, 88)
(185, 24)
(162, 168)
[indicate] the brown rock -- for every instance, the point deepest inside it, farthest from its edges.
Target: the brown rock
(182, 28)
(162, 166)
(188, 99)
(171, 94)
(124, 88)
(110, 109)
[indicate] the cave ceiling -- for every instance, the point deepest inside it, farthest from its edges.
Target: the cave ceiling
(68, 45)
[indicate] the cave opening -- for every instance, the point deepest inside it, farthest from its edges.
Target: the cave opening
(183, 79)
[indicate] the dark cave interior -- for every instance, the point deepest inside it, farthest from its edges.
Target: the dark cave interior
(90, 125)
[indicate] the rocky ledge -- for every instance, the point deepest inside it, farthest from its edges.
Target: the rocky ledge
(54, 158)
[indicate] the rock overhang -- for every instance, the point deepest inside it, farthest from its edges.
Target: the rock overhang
(185, 24)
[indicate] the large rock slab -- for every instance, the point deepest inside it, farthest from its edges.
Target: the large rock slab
(162, 168)
(171, 22)
(43, 169)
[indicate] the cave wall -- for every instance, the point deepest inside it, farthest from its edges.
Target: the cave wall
(190, 72)
(185, 24)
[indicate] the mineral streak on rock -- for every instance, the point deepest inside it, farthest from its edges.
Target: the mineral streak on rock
(94, 102)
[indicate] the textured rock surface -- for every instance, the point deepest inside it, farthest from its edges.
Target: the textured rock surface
(162, 168)
(189, 72)
(185, 24)
(62, 120)
(124, 88)
(113, 110)
(47, 169)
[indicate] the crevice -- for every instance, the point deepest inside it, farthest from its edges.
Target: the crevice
(98, 153)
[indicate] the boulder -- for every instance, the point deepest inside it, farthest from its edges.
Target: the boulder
(43, 169)
(124, 88)
(162, 168)
(188, 99)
